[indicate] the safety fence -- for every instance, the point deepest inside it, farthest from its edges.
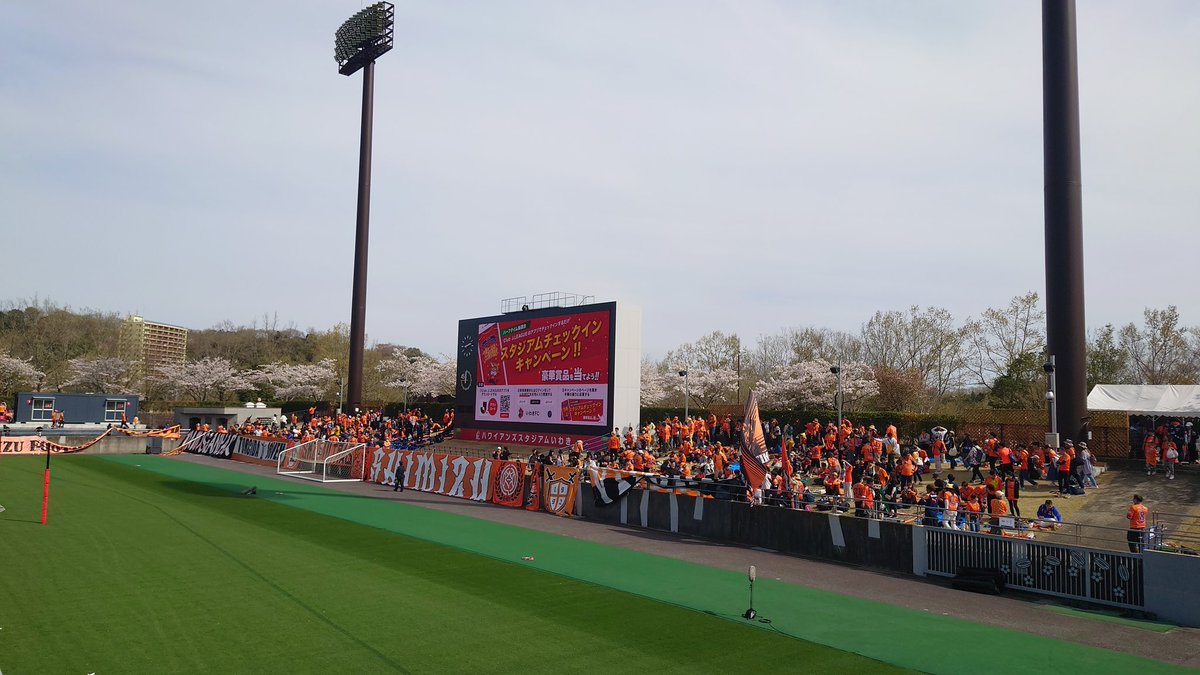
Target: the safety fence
(1104, 577)
(1180, 531)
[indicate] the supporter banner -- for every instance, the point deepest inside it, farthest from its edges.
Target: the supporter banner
(166, 432)
(209, 443)
(606, 491)
(507, 489)
(684, 487)
(559, 488)
(262, 448)
(36, 445)
(532, 499)
(449, 475)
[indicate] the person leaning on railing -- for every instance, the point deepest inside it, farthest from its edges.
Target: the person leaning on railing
(1137, 524)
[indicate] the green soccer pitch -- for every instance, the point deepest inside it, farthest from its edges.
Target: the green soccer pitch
(152, 564)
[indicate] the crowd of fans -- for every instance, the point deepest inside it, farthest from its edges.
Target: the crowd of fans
(812, 465)
(408, 430)
(827, 466)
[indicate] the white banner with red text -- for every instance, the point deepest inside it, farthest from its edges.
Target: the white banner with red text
(36, 445)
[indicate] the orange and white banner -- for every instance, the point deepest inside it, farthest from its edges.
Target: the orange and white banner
(509, 484)
(654, 482)
(450, 475)
(36, 445)
(560, 484)
(167, 432)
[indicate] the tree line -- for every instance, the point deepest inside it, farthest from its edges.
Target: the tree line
(916, 360)
(47, 347)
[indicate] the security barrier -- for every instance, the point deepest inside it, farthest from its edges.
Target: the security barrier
(1104, 577)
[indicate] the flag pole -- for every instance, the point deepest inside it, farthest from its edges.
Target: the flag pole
(46, 486)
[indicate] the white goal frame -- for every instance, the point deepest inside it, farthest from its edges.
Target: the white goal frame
(320, 470)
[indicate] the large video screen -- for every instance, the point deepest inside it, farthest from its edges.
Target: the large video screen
(545, 370)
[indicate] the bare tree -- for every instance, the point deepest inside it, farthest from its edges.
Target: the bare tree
(1159, 353)
(1002, 336)
(922, 339)
(810, 344)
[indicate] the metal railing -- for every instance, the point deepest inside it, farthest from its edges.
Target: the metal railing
(1179, 532)
(544, 300)
(1048, 568)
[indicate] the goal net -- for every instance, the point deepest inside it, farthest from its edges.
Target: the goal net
(323, 460)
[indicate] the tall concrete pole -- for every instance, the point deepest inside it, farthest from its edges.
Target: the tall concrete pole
(358, 303)
(1065, 335)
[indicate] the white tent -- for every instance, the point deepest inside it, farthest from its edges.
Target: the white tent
(1174, 400)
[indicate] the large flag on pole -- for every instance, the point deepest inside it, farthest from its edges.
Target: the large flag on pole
(754, 446)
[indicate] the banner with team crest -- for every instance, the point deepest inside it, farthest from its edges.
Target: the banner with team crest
(508, 484)
(559, 486)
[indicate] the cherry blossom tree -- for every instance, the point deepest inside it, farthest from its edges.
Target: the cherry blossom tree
(704, 387)
(810, 384)
(202, 379)
(17, 373)
(99, 375)
(292, 381)
(654, 386)
(417, 373)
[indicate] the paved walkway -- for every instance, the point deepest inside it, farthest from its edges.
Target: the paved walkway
(1021, 612)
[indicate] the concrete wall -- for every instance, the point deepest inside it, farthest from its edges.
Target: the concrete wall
(855, 541)
(1170, 586)
(627, 367)
(113, 444)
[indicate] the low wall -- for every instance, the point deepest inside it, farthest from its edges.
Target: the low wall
(1170, 589)
(114, 444)
(855, 541)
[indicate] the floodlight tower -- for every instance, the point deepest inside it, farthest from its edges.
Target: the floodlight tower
(363, 38)
(1066, 339)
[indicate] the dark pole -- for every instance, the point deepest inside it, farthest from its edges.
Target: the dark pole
(1065, 336)
(358, 309)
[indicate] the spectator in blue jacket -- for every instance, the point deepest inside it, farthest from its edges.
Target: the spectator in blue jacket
(1048, 513)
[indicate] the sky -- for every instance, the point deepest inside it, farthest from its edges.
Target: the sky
(728, 165)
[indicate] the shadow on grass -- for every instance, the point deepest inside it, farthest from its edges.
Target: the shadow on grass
(234, 490)
(221, 490)
(27, 521)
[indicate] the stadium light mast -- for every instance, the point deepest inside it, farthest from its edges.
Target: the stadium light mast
(1065, 335)
(363, 38)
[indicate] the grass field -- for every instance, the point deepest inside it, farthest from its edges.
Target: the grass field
(141, 572)
(153, 564)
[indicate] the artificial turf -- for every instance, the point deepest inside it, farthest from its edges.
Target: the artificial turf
(145, 571)
(274, 587)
